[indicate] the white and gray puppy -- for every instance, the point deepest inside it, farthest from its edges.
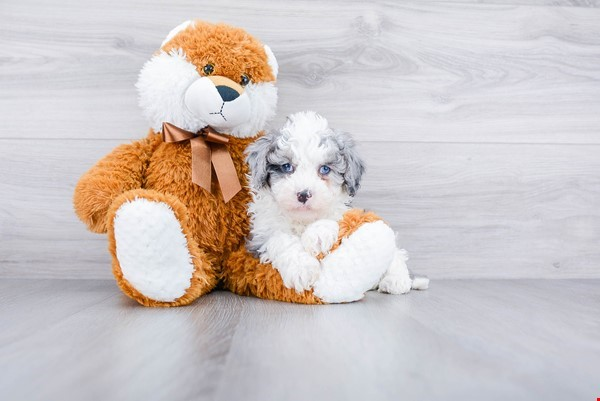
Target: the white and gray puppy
(303, 178)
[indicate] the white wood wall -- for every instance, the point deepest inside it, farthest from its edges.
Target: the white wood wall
(479, 120)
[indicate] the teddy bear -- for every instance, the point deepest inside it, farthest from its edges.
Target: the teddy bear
(174, 204)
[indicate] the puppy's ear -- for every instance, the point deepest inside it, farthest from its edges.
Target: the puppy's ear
(355, 167)
(256, 157)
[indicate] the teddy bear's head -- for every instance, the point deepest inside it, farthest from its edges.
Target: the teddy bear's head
(210, 74)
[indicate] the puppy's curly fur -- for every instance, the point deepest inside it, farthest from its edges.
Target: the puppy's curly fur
(303, 178)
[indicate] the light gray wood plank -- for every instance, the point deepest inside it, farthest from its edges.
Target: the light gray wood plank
(462, 210)
(389, 71)
(480, 210)
(117, 349)
(541, 3)
(46, 304)
(391, 348)
(524, 320)
(40, 232)
(461, 339)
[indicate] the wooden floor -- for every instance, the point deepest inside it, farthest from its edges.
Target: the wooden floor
(461, 340)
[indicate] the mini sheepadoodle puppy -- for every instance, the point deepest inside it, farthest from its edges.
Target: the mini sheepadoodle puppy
(303, 178)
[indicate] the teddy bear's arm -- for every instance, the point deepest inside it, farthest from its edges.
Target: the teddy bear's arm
(119, 171)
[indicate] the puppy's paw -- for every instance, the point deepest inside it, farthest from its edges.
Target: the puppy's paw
(301, 273)
(320, 236)
(395, 284)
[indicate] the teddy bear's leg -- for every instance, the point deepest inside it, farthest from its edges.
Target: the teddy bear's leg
(362, 255)
(155, 258)
(244, 274)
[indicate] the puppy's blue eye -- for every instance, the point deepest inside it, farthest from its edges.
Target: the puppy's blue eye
(287, 168)
(324, 170)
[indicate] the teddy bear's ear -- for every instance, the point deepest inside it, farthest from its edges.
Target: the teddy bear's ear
(176, 30)
(272, 61)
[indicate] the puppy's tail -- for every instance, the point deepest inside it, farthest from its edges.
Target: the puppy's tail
(419, 282)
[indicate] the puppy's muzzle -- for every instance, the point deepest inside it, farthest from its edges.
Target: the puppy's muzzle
(304, 196)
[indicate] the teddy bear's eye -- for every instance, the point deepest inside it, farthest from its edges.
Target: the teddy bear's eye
(208, 69)
(244, 80)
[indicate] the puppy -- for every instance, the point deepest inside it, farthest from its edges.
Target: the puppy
(303, 179)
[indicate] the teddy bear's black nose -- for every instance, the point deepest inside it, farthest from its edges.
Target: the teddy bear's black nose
(227, 94)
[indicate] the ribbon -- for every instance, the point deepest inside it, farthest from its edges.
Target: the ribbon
(208, 147)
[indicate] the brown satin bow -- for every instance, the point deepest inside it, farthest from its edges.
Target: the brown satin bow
(208, 146)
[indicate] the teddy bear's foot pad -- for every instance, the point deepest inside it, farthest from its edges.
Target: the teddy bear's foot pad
(152, 249)
(357, 264)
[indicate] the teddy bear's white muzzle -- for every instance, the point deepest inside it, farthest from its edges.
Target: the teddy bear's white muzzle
(219, 102)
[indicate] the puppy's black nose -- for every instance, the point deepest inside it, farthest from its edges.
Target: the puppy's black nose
(303, 196)
(227, 94)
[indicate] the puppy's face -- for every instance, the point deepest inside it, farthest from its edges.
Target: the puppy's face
(307, 168)
(207, 74)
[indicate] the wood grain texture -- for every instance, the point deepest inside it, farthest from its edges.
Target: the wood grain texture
(462, 210)
(461, 340)
(389, 71)
(542, 3)
(483, 210)
(480, 120)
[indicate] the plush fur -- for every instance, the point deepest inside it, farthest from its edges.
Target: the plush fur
(161, 272)
(173, 81)
(205, 275)
(172, 241)
(245, 275)
(151, 175)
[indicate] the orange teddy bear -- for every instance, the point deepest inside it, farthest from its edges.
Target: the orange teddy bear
(174, 204)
